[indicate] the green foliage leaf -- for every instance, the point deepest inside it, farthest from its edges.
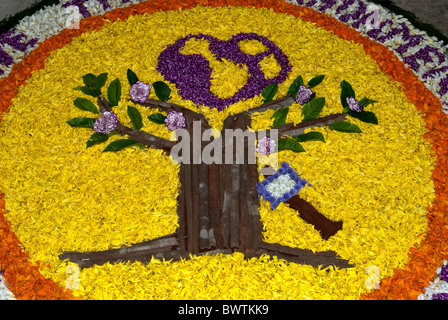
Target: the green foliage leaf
(345, 126)
(346, 91)
(96, 138)
(157, 118)
(280, 116)
(82, 122)
(101, 80)
(163, 92)
(311, 136)
(114, 93)
(135, 117)
(315, 81)
(294, 87)
(289, 144)
(312, 109)
(132, 77)
(365, 116)
(88, 91)
(94, 83)
(89, 79)
(364, 102)
(86, 105)
(118, 145)
(269, 92)
(140, 145)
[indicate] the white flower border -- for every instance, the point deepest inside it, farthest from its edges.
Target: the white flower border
(53, 19)
(436, 286)
(5, 293)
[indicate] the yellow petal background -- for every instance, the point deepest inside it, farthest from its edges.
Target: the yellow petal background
(61, 196)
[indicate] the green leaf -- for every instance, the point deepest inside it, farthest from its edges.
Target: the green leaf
(163, 92)
(345, 126)
(289, 144)
(364, 102)
(101, 80)
(86, 105)
(311, 136)
(135, 117)
(82, 122)
(113, 133)
(114, 93)
(365, 116)
(118, 145)
(132, 77)
(280, 116)
(346, 91)
(269, 92)
(96, 138)
(95, 83)
(140, 145)
(89, 79)
(315, 81)
(88, 91)
(294, 87)
(312, 109)
(157, 118)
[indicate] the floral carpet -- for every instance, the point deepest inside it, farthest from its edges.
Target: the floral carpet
(384, 173)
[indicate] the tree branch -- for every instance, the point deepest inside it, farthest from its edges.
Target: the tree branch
(309, 214)
(294, 130)
(284, 102)
(141, 251)
(167, 248)
(103, 104)
(147, 139)
(166, 106)
(303, 256)
(143, 137)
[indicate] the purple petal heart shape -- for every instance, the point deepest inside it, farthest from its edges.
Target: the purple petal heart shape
(191, 73)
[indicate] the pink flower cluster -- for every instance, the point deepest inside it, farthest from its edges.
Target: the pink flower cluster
(266, 146)
(140, 91)
(106, 123)
(175, 120)
(353, 104)
(303, 95)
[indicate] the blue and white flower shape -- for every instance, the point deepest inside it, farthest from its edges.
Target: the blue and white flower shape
(281, 186)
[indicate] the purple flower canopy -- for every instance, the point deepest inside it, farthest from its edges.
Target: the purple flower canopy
(192, 73)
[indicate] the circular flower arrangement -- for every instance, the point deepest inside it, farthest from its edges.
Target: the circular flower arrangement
(222, 59)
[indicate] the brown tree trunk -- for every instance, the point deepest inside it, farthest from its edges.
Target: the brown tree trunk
(218, 209)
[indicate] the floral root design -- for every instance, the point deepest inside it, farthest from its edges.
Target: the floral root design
(218, 203)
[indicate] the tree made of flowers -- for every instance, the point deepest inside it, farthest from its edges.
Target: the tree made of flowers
(218, 202)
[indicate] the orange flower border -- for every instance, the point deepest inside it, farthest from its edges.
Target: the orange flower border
(26, 282)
